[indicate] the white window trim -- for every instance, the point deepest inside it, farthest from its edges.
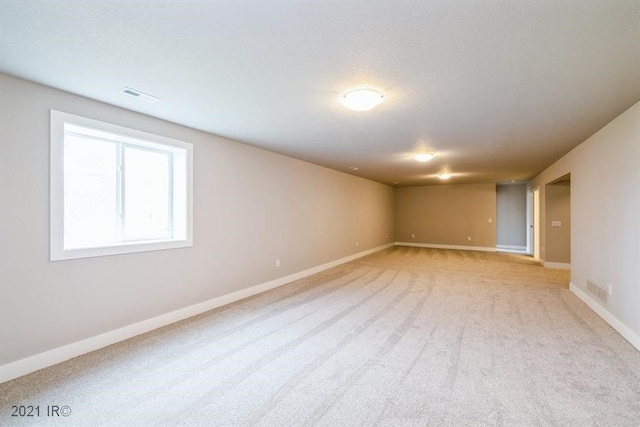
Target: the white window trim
(56, 194)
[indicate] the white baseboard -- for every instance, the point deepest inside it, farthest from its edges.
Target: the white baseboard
(613, 321)
(512, 248)
(48, 358)
(559, 265)
(435, 246)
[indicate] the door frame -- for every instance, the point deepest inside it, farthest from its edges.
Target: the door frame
(535, 224)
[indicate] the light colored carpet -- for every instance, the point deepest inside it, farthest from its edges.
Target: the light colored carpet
(404, 337)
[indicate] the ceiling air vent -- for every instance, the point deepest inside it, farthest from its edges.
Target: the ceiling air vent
(137, 94)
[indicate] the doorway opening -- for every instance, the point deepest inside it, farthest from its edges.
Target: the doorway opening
(557, 223)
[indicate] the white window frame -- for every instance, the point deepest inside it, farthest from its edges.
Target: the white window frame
(183, 213)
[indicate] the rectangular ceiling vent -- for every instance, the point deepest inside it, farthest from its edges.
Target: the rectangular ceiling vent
(138, 94)
(597, 291)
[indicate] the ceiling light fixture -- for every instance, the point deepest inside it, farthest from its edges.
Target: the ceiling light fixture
(362, 99)
(424, 157)
(353, 168)
(444, 175)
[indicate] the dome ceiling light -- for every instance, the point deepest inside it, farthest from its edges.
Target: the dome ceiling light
(362, 99)
(423, 157)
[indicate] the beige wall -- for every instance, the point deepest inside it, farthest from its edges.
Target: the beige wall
(447, 215)
(558, 209)
(605, 219)
(251, 207)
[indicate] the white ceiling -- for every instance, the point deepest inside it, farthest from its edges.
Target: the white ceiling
(498, 90)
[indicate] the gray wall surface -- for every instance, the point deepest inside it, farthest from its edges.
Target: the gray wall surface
(511, 215)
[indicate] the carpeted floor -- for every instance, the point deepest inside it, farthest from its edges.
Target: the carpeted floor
(403, 337)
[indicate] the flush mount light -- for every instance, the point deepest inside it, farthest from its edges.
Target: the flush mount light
(424, 157)
(361, 99)
(444, 175)
(352, 168)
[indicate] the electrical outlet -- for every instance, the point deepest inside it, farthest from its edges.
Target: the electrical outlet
(277, 263)
(357, 243)
(468, 237)
(413, 236)
(609, 289)
(490, 219)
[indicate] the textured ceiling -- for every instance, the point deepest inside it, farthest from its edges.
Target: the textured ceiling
(498, 90)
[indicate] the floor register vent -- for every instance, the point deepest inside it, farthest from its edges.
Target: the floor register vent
(597, 291)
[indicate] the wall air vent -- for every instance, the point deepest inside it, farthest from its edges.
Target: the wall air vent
(137, 94)
(597, 291)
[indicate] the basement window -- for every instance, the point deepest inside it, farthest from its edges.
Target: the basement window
(116, 190)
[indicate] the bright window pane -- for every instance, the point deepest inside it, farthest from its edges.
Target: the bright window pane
(116, 190)
(147, 194)
(90, 192)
